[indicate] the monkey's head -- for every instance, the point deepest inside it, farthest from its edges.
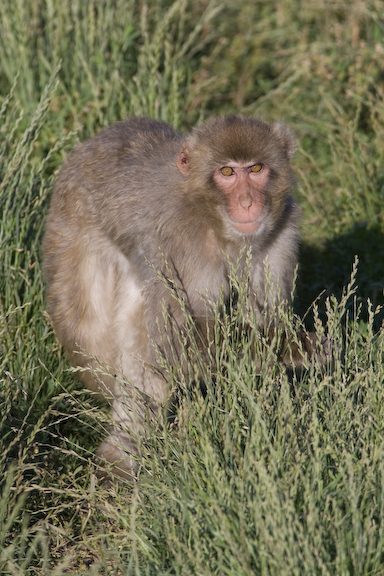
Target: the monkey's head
(245, 165)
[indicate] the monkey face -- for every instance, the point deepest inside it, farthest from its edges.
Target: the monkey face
(243, 185)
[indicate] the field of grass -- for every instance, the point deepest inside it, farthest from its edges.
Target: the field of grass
(269, 473)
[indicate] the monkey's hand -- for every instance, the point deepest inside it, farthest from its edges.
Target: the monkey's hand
(296, 352)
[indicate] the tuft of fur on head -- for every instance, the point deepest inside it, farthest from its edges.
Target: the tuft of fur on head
(241, 139)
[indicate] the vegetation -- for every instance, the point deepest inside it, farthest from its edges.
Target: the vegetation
(268, 473)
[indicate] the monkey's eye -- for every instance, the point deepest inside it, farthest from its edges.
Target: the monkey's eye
(256, 167)
(227, 171)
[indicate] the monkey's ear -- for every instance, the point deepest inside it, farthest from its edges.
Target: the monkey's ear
(182, 161)
(286, 136)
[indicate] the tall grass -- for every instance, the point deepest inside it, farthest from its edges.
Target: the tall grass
(267, 473)
(117, 58)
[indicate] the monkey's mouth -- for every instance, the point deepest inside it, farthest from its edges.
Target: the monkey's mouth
(249, 227)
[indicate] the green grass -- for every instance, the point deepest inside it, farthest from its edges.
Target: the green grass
(267, 474)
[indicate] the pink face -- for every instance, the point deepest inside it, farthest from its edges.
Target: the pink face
(243, 185)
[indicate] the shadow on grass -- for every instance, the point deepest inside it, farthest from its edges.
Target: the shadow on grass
(327, 269)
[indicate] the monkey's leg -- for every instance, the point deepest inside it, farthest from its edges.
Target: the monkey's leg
(132, 410)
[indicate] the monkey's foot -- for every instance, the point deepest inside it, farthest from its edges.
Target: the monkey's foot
(116, 456)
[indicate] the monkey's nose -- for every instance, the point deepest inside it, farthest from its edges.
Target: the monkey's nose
(245, 202)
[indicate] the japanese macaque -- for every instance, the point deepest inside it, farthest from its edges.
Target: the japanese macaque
(141, 198)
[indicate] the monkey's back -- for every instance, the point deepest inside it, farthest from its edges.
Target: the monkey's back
(97, 231)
